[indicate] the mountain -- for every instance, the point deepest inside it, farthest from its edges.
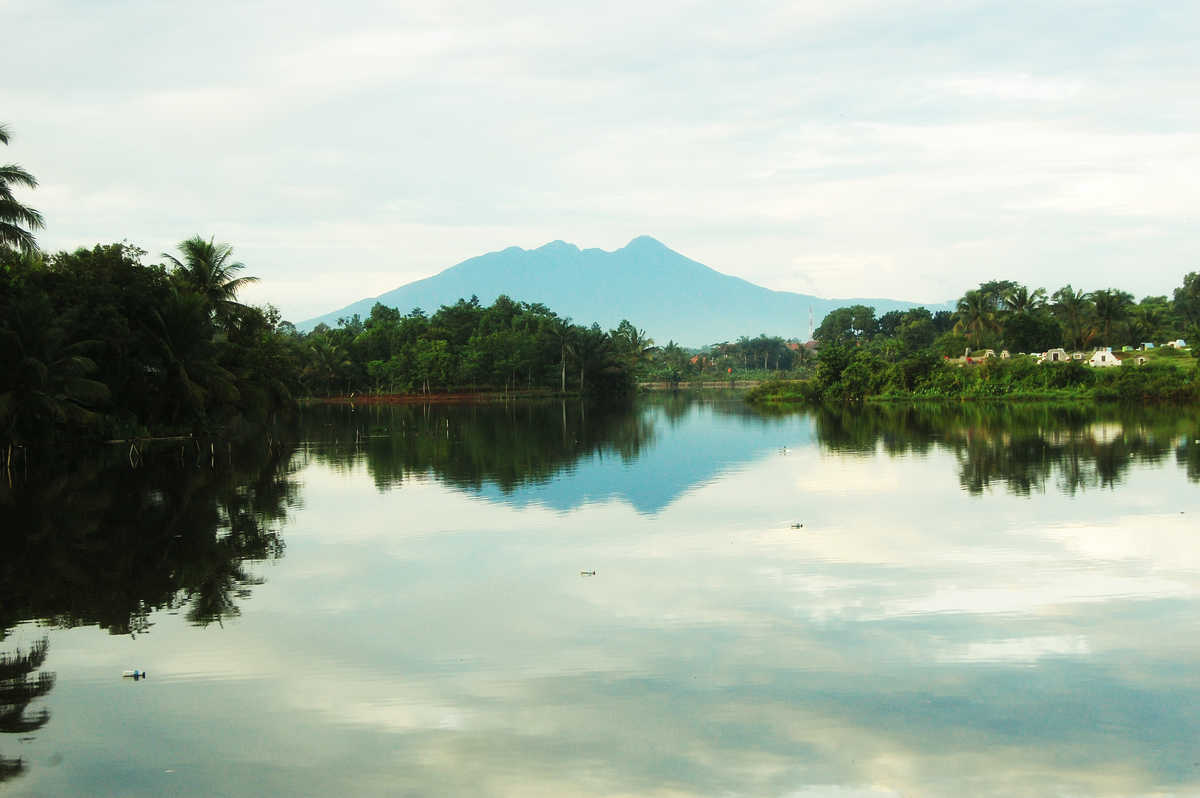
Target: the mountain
(656, 288)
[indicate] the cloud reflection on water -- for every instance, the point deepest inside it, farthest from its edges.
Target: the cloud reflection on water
(914, 637)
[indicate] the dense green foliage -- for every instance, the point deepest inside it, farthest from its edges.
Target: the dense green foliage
(97, 344)
(1002, 314)
(916, 354)
(506, 346)
(519, 346)
(764, 357)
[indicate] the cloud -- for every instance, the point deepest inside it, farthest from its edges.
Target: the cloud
(920, 146)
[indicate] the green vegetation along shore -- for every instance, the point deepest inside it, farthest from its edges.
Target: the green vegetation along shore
(1005, 341)
(100, 345)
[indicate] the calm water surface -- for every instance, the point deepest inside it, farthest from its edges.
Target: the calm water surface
(978, 602)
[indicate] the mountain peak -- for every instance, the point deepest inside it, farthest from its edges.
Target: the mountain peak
(645, 243)
(557, 245)
(655, 287)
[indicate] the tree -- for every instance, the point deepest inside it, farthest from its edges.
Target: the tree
(1187, 302)
(329, 360)
(192, 380)
(45, 379)
(847, 325)
(591, 349)
(836, 327)
(1073, 308)
(1032, 332)
(1148, 320)
(207, 267)
(17, 221)
(976, 316)
(862, 321)
(631, 344)
(995, 291)
(1019, 300)
(1112, 306)
(560, 332)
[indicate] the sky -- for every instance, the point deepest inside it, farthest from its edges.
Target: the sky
(908, 150)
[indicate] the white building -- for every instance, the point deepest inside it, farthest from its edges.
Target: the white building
(1102, 358)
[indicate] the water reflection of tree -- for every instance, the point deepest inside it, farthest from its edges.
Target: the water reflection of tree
(1024, 447)
(108, 545)
(18, 688)
(507, 445)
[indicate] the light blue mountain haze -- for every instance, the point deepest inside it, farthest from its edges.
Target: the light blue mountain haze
(667, 294)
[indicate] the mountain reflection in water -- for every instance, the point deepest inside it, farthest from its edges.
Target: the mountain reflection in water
(980, 600)
(563, 455)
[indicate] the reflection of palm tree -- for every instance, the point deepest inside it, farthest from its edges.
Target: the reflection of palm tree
(17, 691)
(211, 272)
(16, 220)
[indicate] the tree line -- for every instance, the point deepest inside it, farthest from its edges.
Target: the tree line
(1003, 314)
(916, 353)
(506, 346)
(101, 344)
(97, 344)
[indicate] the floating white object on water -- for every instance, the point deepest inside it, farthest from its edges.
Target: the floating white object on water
(587, 573)
(134, 674)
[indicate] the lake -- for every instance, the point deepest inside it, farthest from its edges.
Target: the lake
(682, 598)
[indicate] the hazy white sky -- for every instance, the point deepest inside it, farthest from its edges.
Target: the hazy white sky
(859, 147)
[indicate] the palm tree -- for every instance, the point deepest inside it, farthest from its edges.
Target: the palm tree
(208, 268)
(329, 360)
(1020, 300)
(591, 348)
(1074, 308)
(561, 331)
(16, 220)
(632, 344)
(47, 381)
(975, 316)
(1111, 306)
(1144, 322)
(190, 371)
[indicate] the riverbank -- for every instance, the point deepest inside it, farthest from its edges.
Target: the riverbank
(454, 397)
(486, 397)
(699, 385)
(1069, 382)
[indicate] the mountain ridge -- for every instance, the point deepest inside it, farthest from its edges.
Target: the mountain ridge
(660, 290)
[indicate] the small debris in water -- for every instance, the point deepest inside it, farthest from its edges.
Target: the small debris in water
(134, 674)
(587, 573)
(797, 526)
